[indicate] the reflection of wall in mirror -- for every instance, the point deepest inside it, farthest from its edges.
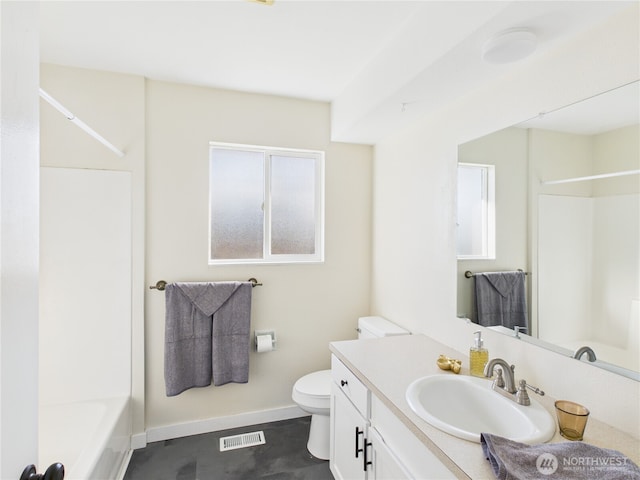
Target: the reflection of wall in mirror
(506, 150)
(594, 296)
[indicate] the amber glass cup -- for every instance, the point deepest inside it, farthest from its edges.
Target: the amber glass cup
(572, 419)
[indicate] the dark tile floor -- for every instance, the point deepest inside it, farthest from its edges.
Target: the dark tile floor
(284, 456)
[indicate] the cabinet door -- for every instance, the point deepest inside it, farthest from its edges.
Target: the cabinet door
(416, 459)
(384, 465)
(347, 438)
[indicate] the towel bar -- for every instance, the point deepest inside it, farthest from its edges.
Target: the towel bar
(469, 274)
(161, 284)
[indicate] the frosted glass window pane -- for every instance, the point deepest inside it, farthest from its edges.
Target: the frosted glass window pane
(237, 196)
(470, 210)
(476, 211)
(293, 205)
(266, 205)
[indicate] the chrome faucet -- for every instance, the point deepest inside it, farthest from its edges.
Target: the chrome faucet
(591, 355)
(506, 385)
(517, 329)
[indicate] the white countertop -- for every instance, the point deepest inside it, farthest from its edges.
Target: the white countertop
(388, 365)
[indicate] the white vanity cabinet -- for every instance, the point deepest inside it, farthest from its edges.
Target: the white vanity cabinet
(358, 450)
(368, 441)
(348, 430)
(350, 401)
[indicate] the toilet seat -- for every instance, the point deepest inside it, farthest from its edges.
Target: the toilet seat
(313, 390)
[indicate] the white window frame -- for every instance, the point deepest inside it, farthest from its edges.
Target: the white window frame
(267, 256)
(488, 212)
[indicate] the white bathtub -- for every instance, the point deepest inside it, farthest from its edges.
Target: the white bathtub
(91, 439)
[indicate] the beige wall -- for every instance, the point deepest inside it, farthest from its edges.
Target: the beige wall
(165, 130)
(414, 222)
(617, 151)
(557, 156)
(307, 305)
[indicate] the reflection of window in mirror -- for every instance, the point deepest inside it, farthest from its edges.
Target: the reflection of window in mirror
(476, 237)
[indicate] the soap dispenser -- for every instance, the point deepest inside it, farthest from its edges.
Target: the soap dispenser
(479, 356)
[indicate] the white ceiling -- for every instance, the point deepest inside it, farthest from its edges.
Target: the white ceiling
(305, 49)
(366, 57)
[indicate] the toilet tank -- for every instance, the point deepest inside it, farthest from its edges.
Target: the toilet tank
(375, 327)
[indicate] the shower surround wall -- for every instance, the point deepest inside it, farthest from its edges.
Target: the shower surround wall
(588, 274)
(91, 325)
(85, 321)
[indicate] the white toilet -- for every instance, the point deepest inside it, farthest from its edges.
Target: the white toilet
(312, 392)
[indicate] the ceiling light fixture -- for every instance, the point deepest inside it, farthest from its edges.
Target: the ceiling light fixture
(509, 46)
(263, 2)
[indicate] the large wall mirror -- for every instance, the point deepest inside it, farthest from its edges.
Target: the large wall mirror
(567, 212)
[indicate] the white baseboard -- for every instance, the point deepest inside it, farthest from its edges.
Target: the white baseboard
(138, 440)
(125, 463)
(167, 432)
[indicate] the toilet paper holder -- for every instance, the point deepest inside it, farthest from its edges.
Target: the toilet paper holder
(262, 334)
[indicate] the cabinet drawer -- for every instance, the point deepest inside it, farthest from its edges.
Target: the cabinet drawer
(353, 388)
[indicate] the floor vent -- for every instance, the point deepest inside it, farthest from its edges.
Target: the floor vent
(241, 441)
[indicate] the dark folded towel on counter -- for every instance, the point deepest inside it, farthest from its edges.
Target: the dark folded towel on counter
(561, 461)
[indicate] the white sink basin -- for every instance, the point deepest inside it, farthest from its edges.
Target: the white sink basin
(466, 406)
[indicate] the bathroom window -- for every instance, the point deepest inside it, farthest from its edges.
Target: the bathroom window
(266, 205)
(476, 212)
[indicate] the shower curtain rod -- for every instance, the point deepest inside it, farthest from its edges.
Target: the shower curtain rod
(592, 177)
(161, 284)
(70, 116)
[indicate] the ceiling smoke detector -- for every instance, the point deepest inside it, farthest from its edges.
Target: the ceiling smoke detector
(509, 46)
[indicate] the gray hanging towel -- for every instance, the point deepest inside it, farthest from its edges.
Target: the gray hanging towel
(206, 334)
(501, 299)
